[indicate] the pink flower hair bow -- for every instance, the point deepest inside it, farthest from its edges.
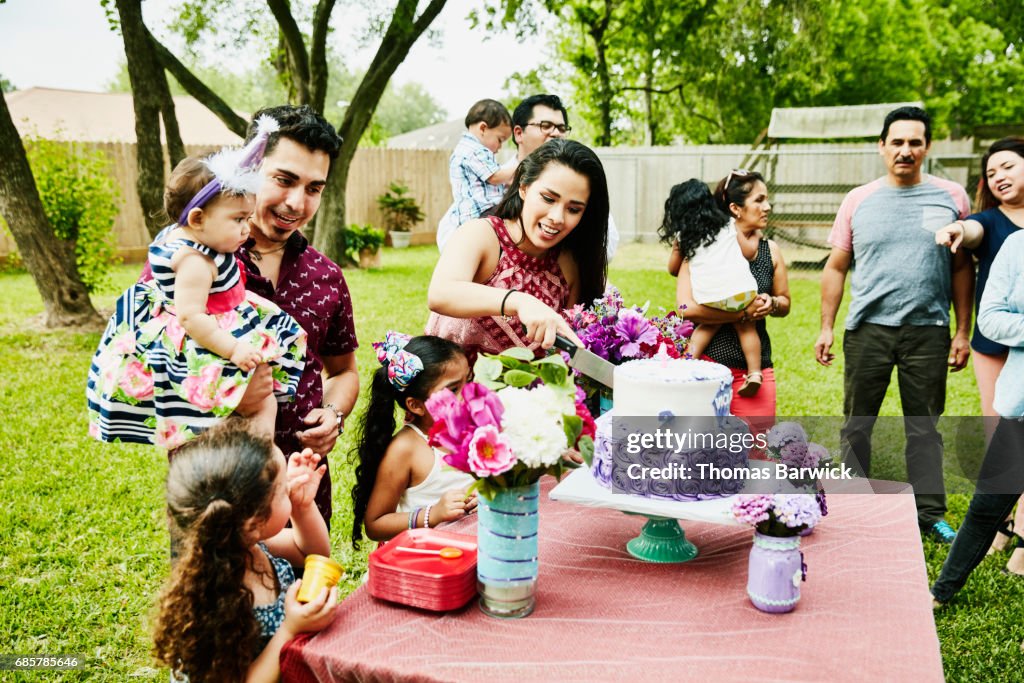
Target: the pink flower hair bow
(402, 366)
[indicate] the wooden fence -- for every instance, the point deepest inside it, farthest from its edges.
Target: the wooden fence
(808, 181)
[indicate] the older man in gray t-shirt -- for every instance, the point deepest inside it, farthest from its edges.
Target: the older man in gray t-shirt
(901, 292)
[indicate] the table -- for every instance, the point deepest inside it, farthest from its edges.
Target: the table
(864, 614)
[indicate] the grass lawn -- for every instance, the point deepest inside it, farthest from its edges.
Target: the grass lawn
(83, 543)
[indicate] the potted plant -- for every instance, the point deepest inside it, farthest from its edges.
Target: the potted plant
(401, 212)
(362, 245)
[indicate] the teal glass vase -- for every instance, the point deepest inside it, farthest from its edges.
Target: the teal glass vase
(507, 559)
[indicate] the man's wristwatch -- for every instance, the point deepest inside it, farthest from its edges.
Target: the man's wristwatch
(338, 414)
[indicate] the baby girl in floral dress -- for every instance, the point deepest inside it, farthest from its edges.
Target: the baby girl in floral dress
(178, 352)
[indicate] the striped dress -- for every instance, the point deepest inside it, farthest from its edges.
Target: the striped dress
(149, 382)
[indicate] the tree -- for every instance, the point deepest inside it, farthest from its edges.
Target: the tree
(305, 73)
(712, 70)
(6, 85)
(152, 100)
(50, 262)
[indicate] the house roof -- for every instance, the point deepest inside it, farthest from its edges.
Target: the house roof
(443, 135)
(106, 117)
(854, 121)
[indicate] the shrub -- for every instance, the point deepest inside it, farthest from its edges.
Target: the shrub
(400, 211)
(359, 237)
(80, 201)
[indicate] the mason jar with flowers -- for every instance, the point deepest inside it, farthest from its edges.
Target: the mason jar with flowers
(521, 419)
(776, 568)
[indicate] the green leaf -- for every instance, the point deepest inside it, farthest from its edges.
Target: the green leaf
(586, 449)
(486, 368)
(573, 426)
(553, 375)
(519, 353)
(515, 364)
(518, 378)
(553, 359)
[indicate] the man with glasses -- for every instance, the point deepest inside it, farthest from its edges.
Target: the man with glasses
(540, 118)
(900, 292)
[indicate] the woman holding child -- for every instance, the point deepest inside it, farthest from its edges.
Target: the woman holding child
(502, 281)
(743, 195)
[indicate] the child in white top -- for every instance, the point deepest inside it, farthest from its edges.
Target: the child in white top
(719, 259)
(401, 482)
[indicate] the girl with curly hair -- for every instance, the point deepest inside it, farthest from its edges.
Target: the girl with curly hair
(704, 235)
(230, 604)
(401, 481)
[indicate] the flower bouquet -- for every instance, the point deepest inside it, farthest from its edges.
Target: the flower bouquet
(514, 423)
(777, 514)
(776, 567)
(619, 333)
(508, 428)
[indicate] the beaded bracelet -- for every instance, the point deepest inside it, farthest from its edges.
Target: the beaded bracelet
(426, 518)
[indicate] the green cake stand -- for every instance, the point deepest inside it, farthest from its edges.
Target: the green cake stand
(661, 540)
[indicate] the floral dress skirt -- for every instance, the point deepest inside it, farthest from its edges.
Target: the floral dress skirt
(149, 382)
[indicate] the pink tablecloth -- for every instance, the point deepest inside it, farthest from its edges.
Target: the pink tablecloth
(864, 615)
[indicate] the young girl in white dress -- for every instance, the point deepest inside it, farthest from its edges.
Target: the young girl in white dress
(719, 260)
(401, 481)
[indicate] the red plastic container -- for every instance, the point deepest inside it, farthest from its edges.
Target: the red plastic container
(425, 581)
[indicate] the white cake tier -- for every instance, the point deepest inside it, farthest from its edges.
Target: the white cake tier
(682, 387)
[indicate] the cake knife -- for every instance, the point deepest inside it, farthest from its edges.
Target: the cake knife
(587, 362)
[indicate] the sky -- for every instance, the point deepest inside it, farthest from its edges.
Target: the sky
(68, 44)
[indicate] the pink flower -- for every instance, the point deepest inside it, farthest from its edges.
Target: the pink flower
(136, 380)
(123, 344)
(201, 390)
(268, 347)
(484, 406)
(227, 320)
(489, 452)
(444, 405)
(589, 427)
(174, 331)
(458, 457)
(169, 435)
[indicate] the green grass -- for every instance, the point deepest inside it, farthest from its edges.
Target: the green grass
(83, 542)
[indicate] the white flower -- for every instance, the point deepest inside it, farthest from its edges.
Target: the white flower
(532, 424)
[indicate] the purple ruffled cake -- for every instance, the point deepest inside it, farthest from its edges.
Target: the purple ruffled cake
(707, 453)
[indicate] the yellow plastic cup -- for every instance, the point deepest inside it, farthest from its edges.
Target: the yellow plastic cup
(321, 572)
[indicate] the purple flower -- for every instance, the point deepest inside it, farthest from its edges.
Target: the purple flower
(793, 454)
(784, 433)
(816, 455)
(797, 510)
(634, 330)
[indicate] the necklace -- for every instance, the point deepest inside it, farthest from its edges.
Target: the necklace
(258, 255)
